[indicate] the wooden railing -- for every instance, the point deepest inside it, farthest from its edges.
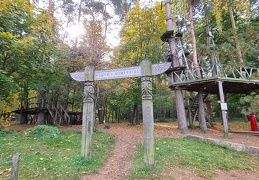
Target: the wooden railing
(56, 110)
(214, 71)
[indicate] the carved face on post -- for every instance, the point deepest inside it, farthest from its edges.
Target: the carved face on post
(146, 88)
(89, 92)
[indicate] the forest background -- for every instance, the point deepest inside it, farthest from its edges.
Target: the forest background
(38, 50)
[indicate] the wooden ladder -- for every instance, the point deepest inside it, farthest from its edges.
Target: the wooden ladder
(57, 112)
(194, 107)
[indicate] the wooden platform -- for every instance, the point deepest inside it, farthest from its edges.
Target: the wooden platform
(30, 110)
(230, 85)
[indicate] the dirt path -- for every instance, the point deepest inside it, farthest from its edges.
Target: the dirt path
(119, 163)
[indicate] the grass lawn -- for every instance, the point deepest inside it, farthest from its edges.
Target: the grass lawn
(200, 157)
(47, 153)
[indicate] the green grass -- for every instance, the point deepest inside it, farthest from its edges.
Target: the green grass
(46, 153)
(200, 157)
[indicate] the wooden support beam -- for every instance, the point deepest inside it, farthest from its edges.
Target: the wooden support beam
(223, 106)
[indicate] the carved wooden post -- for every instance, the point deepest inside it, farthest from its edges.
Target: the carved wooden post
(88, 113)
(148, 119)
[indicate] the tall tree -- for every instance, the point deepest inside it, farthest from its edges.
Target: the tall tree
(209, 38)
(202, 120)
(242, 7)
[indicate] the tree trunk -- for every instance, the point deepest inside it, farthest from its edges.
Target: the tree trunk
(41, 114)
(209, 111)
(112, 116)
(194, 49)
(209, 39)
(118, 115)
(41, 118)
(189, 110)
(130, 116)
(182, 123)
(23, 118)
(173, 109)
(100, 115)
(108, 117)
(239, 53)
(24, 105)
(135, 118)
(202, 119)
(162, 112)
(104, 113)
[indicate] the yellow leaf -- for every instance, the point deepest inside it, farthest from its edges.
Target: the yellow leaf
(41, 158)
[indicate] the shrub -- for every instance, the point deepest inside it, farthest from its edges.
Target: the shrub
(42, 131)
(5, 131)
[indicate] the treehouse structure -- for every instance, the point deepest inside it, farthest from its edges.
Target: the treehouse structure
(42, 110)
(215, 78)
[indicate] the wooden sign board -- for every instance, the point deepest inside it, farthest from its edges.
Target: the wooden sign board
(118, 73)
